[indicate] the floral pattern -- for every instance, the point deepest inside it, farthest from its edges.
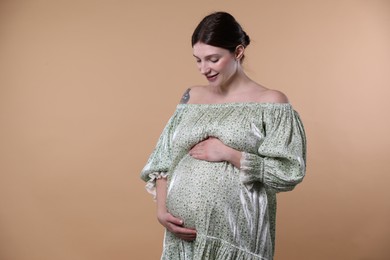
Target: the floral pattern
(233, 210)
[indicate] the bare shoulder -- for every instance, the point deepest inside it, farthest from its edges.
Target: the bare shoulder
(186, 96)
(274, 96)
(192, 94)
(262, 94)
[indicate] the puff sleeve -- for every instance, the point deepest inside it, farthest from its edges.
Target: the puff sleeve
(159, 162)
(280, 161)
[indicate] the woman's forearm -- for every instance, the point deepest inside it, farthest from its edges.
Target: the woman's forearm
(161, 195)
(234, 157)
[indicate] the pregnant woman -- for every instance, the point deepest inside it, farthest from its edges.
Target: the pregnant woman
(229, 147)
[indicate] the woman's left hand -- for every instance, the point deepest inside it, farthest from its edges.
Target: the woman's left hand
(214, 150)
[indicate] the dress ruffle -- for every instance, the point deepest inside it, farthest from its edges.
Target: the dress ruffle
(207, 247)
(151, 183)
(250, 170)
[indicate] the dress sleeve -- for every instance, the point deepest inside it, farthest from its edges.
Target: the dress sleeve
(160, 159)
(280, 161)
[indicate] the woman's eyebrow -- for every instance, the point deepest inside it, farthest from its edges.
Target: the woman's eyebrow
(208, 56)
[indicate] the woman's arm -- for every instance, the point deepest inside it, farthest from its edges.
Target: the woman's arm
(171, 223)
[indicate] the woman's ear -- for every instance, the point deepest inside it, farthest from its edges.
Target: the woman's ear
(239, 52)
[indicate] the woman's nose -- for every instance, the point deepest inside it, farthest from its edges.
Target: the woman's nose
(203, 68)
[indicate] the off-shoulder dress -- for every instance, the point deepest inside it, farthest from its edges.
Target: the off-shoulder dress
(233, 210)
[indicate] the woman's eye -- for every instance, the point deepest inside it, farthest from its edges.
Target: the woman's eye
(214, 60)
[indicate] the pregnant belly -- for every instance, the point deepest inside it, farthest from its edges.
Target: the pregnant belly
(198, 189)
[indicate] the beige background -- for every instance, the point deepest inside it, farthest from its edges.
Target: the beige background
(87, 86)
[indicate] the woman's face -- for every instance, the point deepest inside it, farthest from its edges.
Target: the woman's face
(218, 65)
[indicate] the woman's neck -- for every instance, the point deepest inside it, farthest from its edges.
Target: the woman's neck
(235, 83)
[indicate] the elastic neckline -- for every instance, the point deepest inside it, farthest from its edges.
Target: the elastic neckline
(236, 104)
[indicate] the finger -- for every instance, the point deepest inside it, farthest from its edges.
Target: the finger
(198, 155)
(187, 238)
(192, 237)
(182, 231)
(176, 225)
(193, 149)
(174, 220)
(195, 152)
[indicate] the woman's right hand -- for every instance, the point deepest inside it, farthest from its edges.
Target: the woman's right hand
(171, 223)
(175, 226)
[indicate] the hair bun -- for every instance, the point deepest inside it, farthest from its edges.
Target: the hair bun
(247, 40)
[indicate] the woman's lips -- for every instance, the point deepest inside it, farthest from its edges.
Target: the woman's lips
(212, 77)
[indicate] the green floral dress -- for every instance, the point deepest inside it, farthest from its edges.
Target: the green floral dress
(233, 210)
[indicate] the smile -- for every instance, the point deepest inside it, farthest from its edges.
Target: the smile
(211, 77)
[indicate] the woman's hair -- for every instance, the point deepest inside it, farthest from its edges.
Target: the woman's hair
(220, 29)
